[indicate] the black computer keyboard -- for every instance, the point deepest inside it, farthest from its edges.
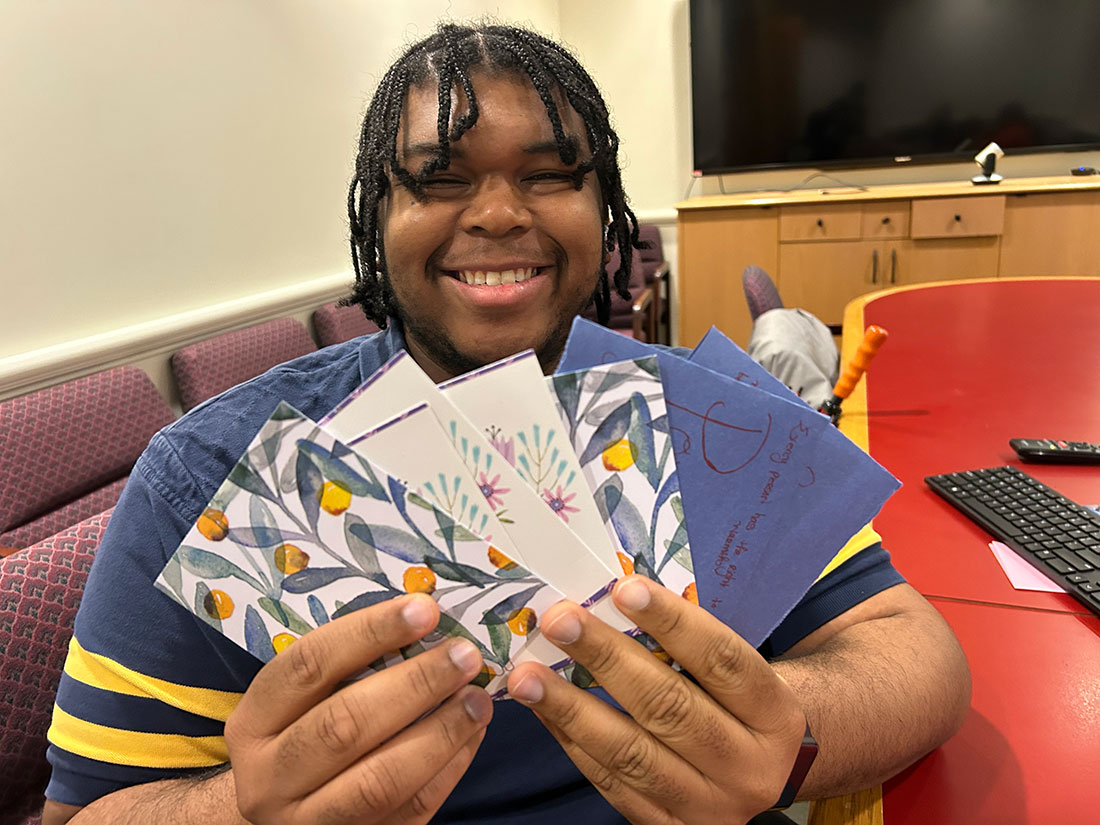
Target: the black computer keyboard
(1057, 536)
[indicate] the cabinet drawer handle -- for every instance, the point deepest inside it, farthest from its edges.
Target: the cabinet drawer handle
(893, 266)
(886, 220)
(958, 217)
(874, 266)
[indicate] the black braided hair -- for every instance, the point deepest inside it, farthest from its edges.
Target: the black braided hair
(449, 56)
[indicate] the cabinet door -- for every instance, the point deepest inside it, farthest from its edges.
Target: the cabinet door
(823, 277)
(946, 259)
(715, 246)
(1052, 234)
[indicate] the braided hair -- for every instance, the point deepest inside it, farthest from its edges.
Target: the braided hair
(449, 56)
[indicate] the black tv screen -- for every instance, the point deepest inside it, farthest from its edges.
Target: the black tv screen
(819, 84)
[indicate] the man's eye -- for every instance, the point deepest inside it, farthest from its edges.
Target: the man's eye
(550, 177)
(441, 183)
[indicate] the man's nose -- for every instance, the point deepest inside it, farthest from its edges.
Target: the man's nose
(498, 207)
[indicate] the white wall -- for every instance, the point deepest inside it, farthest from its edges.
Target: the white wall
(170, 157)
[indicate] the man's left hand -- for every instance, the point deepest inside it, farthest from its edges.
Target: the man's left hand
(718, 749)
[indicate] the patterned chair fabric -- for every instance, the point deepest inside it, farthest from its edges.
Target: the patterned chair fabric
(335, 324)
(206, 368)
(75, 440)
(622, 311)
(40, 589)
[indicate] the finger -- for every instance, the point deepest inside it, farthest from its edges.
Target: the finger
(631, 803)
(665, 703)
(426, 802)
(312, 668)
(386, 779)
(728, 668)
(359, 718)
(614, 740)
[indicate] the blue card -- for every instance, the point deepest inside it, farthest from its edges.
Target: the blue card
(765, 508)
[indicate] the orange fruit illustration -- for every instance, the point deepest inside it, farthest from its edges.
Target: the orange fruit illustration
(335, 497)
(289, 559)
(619, 455)
(213, 524)
(691, 594)
(418, 580)
(218, 604)
(499, 560)
(522, 621)
(282, 641)
(662, 655)
(626, 563)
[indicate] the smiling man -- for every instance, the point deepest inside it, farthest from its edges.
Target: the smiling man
(487, 194)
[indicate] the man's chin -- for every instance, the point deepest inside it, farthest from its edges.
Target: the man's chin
(472, 349)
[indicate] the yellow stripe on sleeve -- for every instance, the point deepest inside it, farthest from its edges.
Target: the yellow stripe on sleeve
(124, 747)
(103, 673)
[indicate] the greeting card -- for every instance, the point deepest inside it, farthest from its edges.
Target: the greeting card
(618, 426)
(305, 530)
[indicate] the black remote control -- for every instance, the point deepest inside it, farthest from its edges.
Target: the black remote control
(1054, 451)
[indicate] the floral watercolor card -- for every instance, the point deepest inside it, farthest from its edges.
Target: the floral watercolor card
(529, 428)
(305, 530)
(542, 539)
(618, 425)
(761, 520)
(434, 471)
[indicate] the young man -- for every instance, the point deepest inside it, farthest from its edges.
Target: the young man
(487, 193)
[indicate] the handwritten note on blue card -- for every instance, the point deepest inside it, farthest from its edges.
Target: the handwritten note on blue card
(762, 521)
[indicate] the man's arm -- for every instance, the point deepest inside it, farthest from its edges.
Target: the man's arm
(308, 747)
(881, 685)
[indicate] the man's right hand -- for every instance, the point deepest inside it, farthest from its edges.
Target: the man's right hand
(306, 750)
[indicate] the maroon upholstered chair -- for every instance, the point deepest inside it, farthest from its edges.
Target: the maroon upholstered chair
(65, 451)
(635, 317)
(335, 324)
(40, 589)
(656, 276)
(206, 368)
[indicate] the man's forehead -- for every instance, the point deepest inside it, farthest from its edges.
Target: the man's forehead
(418, 132)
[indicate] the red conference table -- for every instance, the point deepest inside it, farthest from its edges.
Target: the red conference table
(967, 366)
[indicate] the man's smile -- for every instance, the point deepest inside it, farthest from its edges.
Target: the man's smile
(488, 277)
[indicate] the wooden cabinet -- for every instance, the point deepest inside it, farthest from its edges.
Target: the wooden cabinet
(823, 249)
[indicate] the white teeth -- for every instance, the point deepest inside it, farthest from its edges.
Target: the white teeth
(480, 277)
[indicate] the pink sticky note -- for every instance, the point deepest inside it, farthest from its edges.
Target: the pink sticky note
(1021, 574)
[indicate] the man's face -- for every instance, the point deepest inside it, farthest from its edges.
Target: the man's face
(502, 251)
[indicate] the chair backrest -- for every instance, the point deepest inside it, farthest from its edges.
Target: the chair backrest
(40, 589)
(335, 324)
(653, 255)
(66, 450)
(208, 367)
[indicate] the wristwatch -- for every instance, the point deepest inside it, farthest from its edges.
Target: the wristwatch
(806, 755)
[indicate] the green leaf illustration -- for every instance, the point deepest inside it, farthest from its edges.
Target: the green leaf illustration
(262, 537)
(500, 637)
(257, 640)
(610, 430)
(505, 609)
(285, 412)
(360, 541)
(650, 365)
(310, 481)
(284, 615)
(367, 599)
(335, 469)
(202, 593)
(568, 390)
(244, 477)
(448, 626)
(580, 676)
(313, 578)
(210, 566)
(456, 532)
(641, 436)
(625, 520)
(317, 610)
(420, 501)
(173, 575)
(376, 489)
(457, 572)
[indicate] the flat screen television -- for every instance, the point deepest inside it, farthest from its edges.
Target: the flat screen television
(824, 84)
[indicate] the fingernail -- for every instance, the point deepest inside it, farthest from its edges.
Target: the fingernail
(565, 629)
(465, 656)
(478, 705)
(528, 690)
(633, 594)
(418, 614)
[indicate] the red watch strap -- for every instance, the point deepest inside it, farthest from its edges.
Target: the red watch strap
(806, 755)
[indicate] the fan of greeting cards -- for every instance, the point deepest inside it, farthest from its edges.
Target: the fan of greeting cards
(503, 491)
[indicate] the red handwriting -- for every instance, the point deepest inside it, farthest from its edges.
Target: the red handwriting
(708, 418)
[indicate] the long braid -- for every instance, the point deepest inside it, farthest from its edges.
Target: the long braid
(449, 56)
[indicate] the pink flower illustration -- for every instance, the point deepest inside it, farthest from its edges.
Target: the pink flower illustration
(490, 490)
(506, 447)
(560, 504)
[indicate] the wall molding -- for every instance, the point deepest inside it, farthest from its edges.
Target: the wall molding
(61, 362)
